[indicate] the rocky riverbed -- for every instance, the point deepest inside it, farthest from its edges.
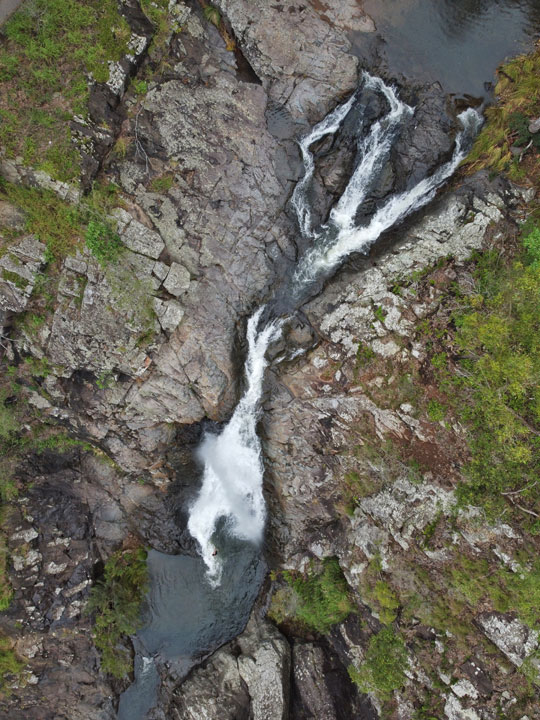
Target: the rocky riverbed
(136, 359)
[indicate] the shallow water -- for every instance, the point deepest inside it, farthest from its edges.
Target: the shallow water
(459, 43)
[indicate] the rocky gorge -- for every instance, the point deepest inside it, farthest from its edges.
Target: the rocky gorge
(126, 364)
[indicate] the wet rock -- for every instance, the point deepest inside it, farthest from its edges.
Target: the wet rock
(213, 692)
(264, 666)
(478, 676)
(322, 688)
(426, 141)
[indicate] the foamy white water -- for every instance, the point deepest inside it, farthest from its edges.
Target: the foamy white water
(373, 150)
(233, 467)
(328, 126)
(337, 240)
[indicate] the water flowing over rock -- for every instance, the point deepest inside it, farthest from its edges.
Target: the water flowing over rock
(239, 190)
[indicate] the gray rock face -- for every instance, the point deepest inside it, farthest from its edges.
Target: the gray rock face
(322, 689)
(514, 639)
(18, 272)
(247, 680)
(53, 556)
(313, 411)
(303, 62)
(265, 667)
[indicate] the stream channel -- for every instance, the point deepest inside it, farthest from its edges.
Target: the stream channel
(196, 604)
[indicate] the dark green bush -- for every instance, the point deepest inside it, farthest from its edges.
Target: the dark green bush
(323, 597)
(116, 602)
(383, 670)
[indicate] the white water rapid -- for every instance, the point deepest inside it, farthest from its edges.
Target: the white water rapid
(233, 467)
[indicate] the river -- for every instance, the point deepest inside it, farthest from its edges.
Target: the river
(196, 604)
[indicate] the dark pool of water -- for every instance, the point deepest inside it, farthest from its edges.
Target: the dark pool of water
(459, 43)
(187, 618)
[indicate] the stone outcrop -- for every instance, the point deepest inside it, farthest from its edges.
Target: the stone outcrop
(246, 679)
(206, 162)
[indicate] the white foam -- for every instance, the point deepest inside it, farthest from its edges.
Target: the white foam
(336, 242)
(233, 468)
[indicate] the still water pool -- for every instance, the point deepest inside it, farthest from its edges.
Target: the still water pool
(459, 43)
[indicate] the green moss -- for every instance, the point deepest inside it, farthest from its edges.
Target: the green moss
(383, 670)
(162, 184)
(322, 598)
(377, 593)
(17, 280)
(116, 602)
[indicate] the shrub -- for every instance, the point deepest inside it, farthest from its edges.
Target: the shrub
(383, 670)
(531, 243)
(323, 598)
(116, 602)
(435, 411)
(499, 396)
(518, 91)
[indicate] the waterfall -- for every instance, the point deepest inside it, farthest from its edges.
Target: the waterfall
(233, 468)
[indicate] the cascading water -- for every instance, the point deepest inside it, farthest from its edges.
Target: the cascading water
(233, 468)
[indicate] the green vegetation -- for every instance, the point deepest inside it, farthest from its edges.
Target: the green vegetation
(162, 184)
(61, 225)
(317, 601)
(56, 223)
(212, 14)
(116, 602)
(378, 594)
(435, 411)
(499, 396)
(51, 46)
(10, 665)
(383, 670)
(518, 90)
(157, 12)
(16, 279)
(103, 242)
(473, 580)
